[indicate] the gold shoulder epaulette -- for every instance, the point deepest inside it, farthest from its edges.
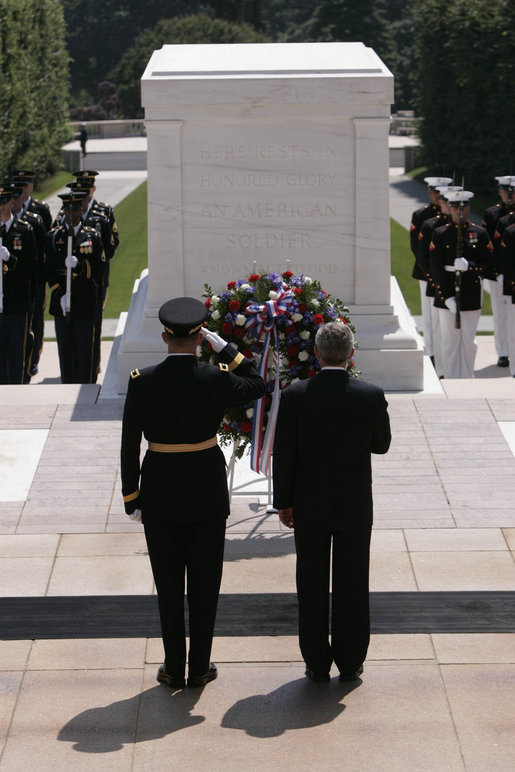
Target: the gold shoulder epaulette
(135, 373)
(223, 367)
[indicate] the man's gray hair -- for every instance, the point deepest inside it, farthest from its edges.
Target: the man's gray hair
(334, 342)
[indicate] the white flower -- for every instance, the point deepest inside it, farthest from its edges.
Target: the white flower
(215, 300)
(199, 351)
(308, 280)
(250, 412)
(247, 340)
(315, 303)
(240, 320)
(305, 335)
(215, 316)
(295, 380)
(282, 336)
(244, 286)
(284, 361)
(272, 295)
(303, 355)
(297, 317)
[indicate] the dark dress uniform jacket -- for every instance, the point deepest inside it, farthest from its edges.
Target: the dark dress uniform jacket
(476, 248)
(21, 267)
(327, 428)
(86, 276)
(182, 400)
(418, 218)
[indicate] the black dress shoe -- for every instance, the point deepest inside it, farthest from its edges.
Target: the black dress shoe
(34, 370)
(348, 677)
(318, 678)
(503, 362)
(197, 681)
(176, 682)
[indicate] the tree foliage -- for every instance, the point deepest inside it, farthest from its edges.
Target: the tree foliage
(34, 85)
(198, 28)
(466, 86)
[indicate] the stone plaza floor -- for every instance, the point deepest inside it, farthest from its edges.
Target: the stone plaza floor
(436, 693)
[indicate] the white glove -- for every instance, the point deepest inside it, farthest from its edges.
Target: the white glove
(216, 341)
(461, 264)
(63, 304)
(136, 516)
(4, 254)
(500, 279)
(71, 261)
(451, 303)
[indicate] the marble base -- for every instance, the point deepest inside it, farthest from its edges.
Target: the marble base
(390, 351)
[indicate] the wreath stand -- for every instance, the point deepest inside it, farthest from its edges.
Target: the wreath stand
(270, 509)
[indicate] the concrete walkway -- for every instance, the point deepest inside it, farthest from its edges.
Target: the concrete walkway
(444, 525)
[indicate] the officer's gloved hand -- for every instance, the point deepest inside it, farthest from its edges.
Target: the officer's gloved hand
(500, 279)
(451, 303)
(63, 304)
(136, 516)
(461, 264)
(4, 253)
(217, 343)
(71, 261)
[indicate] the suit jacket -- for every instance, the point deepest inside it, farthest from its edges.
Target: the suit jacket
(327, 428)
(182, 400)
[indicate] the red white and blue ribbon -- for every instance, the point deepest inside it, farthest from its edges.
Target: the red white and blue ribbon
(263, 318)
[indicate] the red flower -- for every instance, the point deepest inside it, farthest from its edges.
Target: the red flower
(239, 332)
(303, 307)
(311, 372)
(231, 285)
(318, 319)
(226, 427)
(207, 303)
(226, 328)
(342, 319)
(246, 427)
(234, 305)
(253, 277)
(292, 350)
(287, 275)
(247, 353)
(297, 291)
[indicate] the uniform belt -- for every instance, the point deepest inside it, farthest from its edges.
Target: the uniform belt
(184, 447)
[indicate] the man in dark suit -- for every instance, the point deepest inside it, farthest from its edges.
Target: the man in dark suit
(178, 406)
(327, 428)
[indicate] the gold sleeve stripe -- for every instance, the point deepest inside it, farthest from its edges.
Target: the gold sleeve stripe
(238, 359)
(131, 496)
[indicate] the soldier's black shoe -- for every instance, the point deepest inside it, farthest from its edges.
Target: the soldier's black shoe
(197, 681)
(176, 682)
(34, 370)
(318, 678)
(503, 362)
(348, 677)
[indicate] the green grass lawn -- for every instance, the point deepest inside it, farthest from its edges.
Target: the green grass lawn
(51, 184)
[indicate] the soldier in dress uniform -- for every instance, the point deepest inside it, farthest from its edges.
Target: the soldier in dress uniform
(178, 405)
(18, 268)
(418, 217)
(35, 206)
(93, 210)
(423, 261)
(461, 253)
(494, 220)
(506, 266)
(38, 292)
(30, 204)
(76, 248)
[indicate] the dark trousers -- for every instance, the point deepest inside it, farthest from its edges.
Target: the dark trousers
(99, 317)
(13, 339)
(195, 551)
(38, 322)
(75, 338)
(350, 619)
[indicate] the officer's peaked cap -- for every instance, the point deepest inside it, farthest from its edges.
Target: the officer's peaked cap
(86, 174)
(458, 197)
(23, 175)
(6, 192)
(183, 316)
(506, 182)
(72, 200)
(433, 182)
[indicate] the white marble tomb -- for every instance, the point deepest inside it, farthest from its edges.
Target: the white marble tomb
(268, 153)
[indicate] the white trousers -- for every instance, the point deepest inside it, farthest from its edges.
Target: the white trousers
(437, 339)
(458, 347)
(425, 306)
(500, 309)
(511, 334)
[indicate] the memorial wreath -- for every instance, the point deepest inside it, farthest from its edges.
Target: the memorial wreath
(273, 319)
